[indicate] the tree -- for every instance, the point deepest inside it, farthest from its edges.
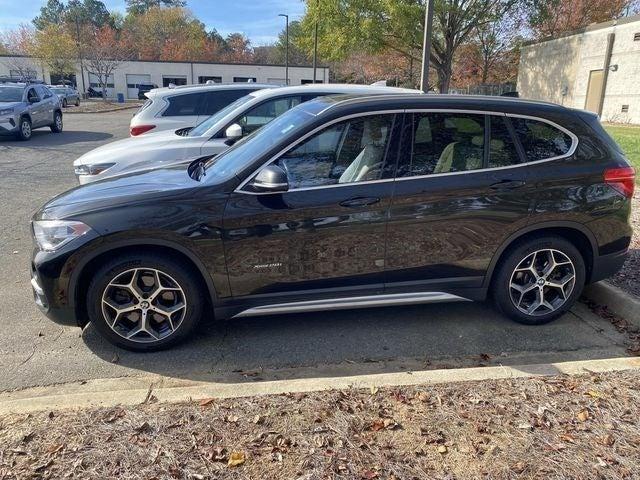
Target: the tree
(297, 55)
(551, 17)
(18, 42)
(106, 53)
(138, 7)
(92, 12)
(238, 49)
(55, 49)
(397, 26)
(51, 12)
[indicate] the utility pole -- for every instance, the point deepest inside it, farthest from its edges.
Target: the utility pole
(315, 42)
(82, 92)
(426, 46)
(286, 58)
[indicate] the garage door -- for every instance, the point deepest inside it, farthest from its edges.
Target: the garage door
(132, 84)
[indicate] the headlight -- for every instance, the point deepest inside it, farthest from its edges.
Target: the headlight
(53, 234)
(6, 111)
(92, 169)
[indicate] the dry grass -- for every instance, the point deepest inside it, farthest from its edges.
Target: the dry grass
(544, 428)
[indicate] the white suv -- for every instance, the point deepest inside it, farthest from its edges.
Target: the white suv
(212, 136)
(185, 106)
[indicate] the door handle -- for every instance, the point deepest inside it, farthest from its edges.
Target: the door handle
(508, 184)
(359, 202)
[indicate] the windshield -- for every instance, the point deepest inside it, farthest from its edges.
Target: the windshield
(245, 151)
(202, 127)
(11, 94)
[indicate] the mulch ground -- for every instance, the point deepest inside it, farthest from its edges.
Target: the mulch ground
(583, 427)
(98, 106)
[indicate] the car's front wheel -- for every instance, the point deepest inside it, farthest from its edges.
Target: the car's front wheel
(56, 126)
(144, 302)
(24, 129)
(539, 279)
(64, 102)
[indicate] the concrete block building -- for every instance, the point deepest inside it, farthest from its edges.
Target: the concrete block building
(132, 73)
(596, 68)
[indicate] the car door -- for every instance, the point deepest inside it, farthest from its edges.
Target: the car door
(326, 234)
(49, 103)
(461, 189)
(36, 108)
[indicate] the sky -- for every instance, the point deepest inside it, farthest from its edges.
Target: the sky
(257, 19)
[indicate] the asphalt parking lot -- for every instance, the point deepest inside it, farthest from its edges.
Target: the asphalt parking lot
(34, 351)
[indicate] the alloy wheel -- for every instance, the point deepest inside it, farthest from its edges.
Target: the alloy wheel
(542, 282)
(59, 122)
(144, 305)
(26, 129)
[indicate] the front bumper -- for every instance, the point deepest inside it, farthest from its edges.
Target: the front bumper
(8, 126)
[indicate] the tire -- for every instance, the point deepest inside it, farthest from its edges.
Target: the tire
(56, 126)
(24, 129)
(77, 104)
(64, 103)
(180, 288)
(516, 288)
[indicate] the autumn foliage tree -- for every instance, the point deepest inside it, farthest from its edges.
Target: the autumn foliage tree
(106, 53)
(55, 49)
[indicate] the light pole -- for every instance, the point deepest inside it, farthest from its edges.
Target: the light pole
(286, 55)
(426, 47)
(315, 42)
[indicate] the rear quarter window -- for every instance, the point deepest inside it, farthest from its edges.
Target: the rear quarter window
(541, 140)
(184, 105)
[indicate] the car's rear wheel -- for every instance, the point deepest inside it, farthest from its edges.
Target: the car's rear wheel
(539, 279)
(24, 129)
(64, 102)
(144, 302)
(56, 126)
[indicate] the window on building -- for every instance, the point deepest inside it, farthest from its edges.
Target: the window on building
(207, 78)
(540, 140)
(305, 81)
(348, 152)
(636, 37)
(175, 80)
(182, 105)
(244, 79)
(94, 81)
(444, 142)
(625, 109)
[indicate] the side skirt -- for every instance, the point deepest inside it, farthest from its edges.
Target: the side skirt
(383, 300)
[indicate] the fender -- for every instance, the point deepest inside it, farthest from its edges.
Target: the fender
(105, 247)
(532, 228)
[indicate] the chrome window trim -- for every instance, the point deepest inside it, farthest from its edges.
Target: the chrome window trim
(570, 152)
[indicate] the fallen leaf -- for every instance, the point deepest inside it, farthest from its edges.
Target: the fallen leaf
(374, 390)
(236, 459)
(568, 438)
(583, 415)
(376, 425)
(258, 419)
(442, 449)
(594, 394)
(525, 426)
(423, 397)
(519, 467)
(369, 475)
(607, 440)
(206, 401)
(232, 418)
(55, 448)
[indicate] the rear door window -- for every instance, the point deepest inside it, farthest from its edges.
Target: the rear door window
(540, 140)
(218, 99)
(502, 149)
(184, 105)
(444, 143)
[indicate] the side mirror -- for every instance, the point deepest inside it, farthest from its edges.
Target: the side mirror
(271, 178)
(232, 134)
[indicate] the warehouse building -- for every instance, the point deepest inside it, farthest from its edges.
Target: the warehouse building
(596, 68)
(130, 74)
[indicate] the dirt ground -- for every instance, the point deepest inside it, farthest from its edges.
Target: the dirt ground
(628, 278)
(583, 427)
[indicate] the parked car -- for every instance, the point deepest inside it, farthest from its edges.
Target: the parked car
(174, 107)
(346, 202)
(24, 107)
(210, 137)
(143, 88)
(67, 95)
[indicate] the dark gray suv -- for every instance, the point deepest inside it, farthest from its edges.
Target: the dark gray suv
(25, 107)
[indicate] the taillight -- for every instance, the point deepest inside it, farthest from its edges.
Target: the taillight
(622, 179)
(140, 129)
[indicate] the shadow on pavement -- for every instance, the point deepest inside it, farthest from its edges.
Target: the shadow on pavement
(45, 138)
(366, 341)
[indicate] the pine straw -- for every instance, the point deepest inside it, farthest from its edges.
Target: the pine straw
(555, 427)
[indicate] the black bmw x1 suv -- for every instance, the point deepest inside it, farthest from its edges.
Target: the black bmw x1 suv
(345, 202)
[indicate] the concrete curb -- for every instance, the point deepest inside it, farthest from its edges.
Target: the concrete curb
(115, 109)
(135, 390)
(616, 300)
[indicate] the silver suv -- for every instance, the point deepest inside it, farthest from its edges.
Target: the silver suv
(25, 107)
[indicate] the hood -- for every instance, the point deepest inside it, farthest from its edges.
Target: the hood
(143, 186)
(4, 105)
(129, 147)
